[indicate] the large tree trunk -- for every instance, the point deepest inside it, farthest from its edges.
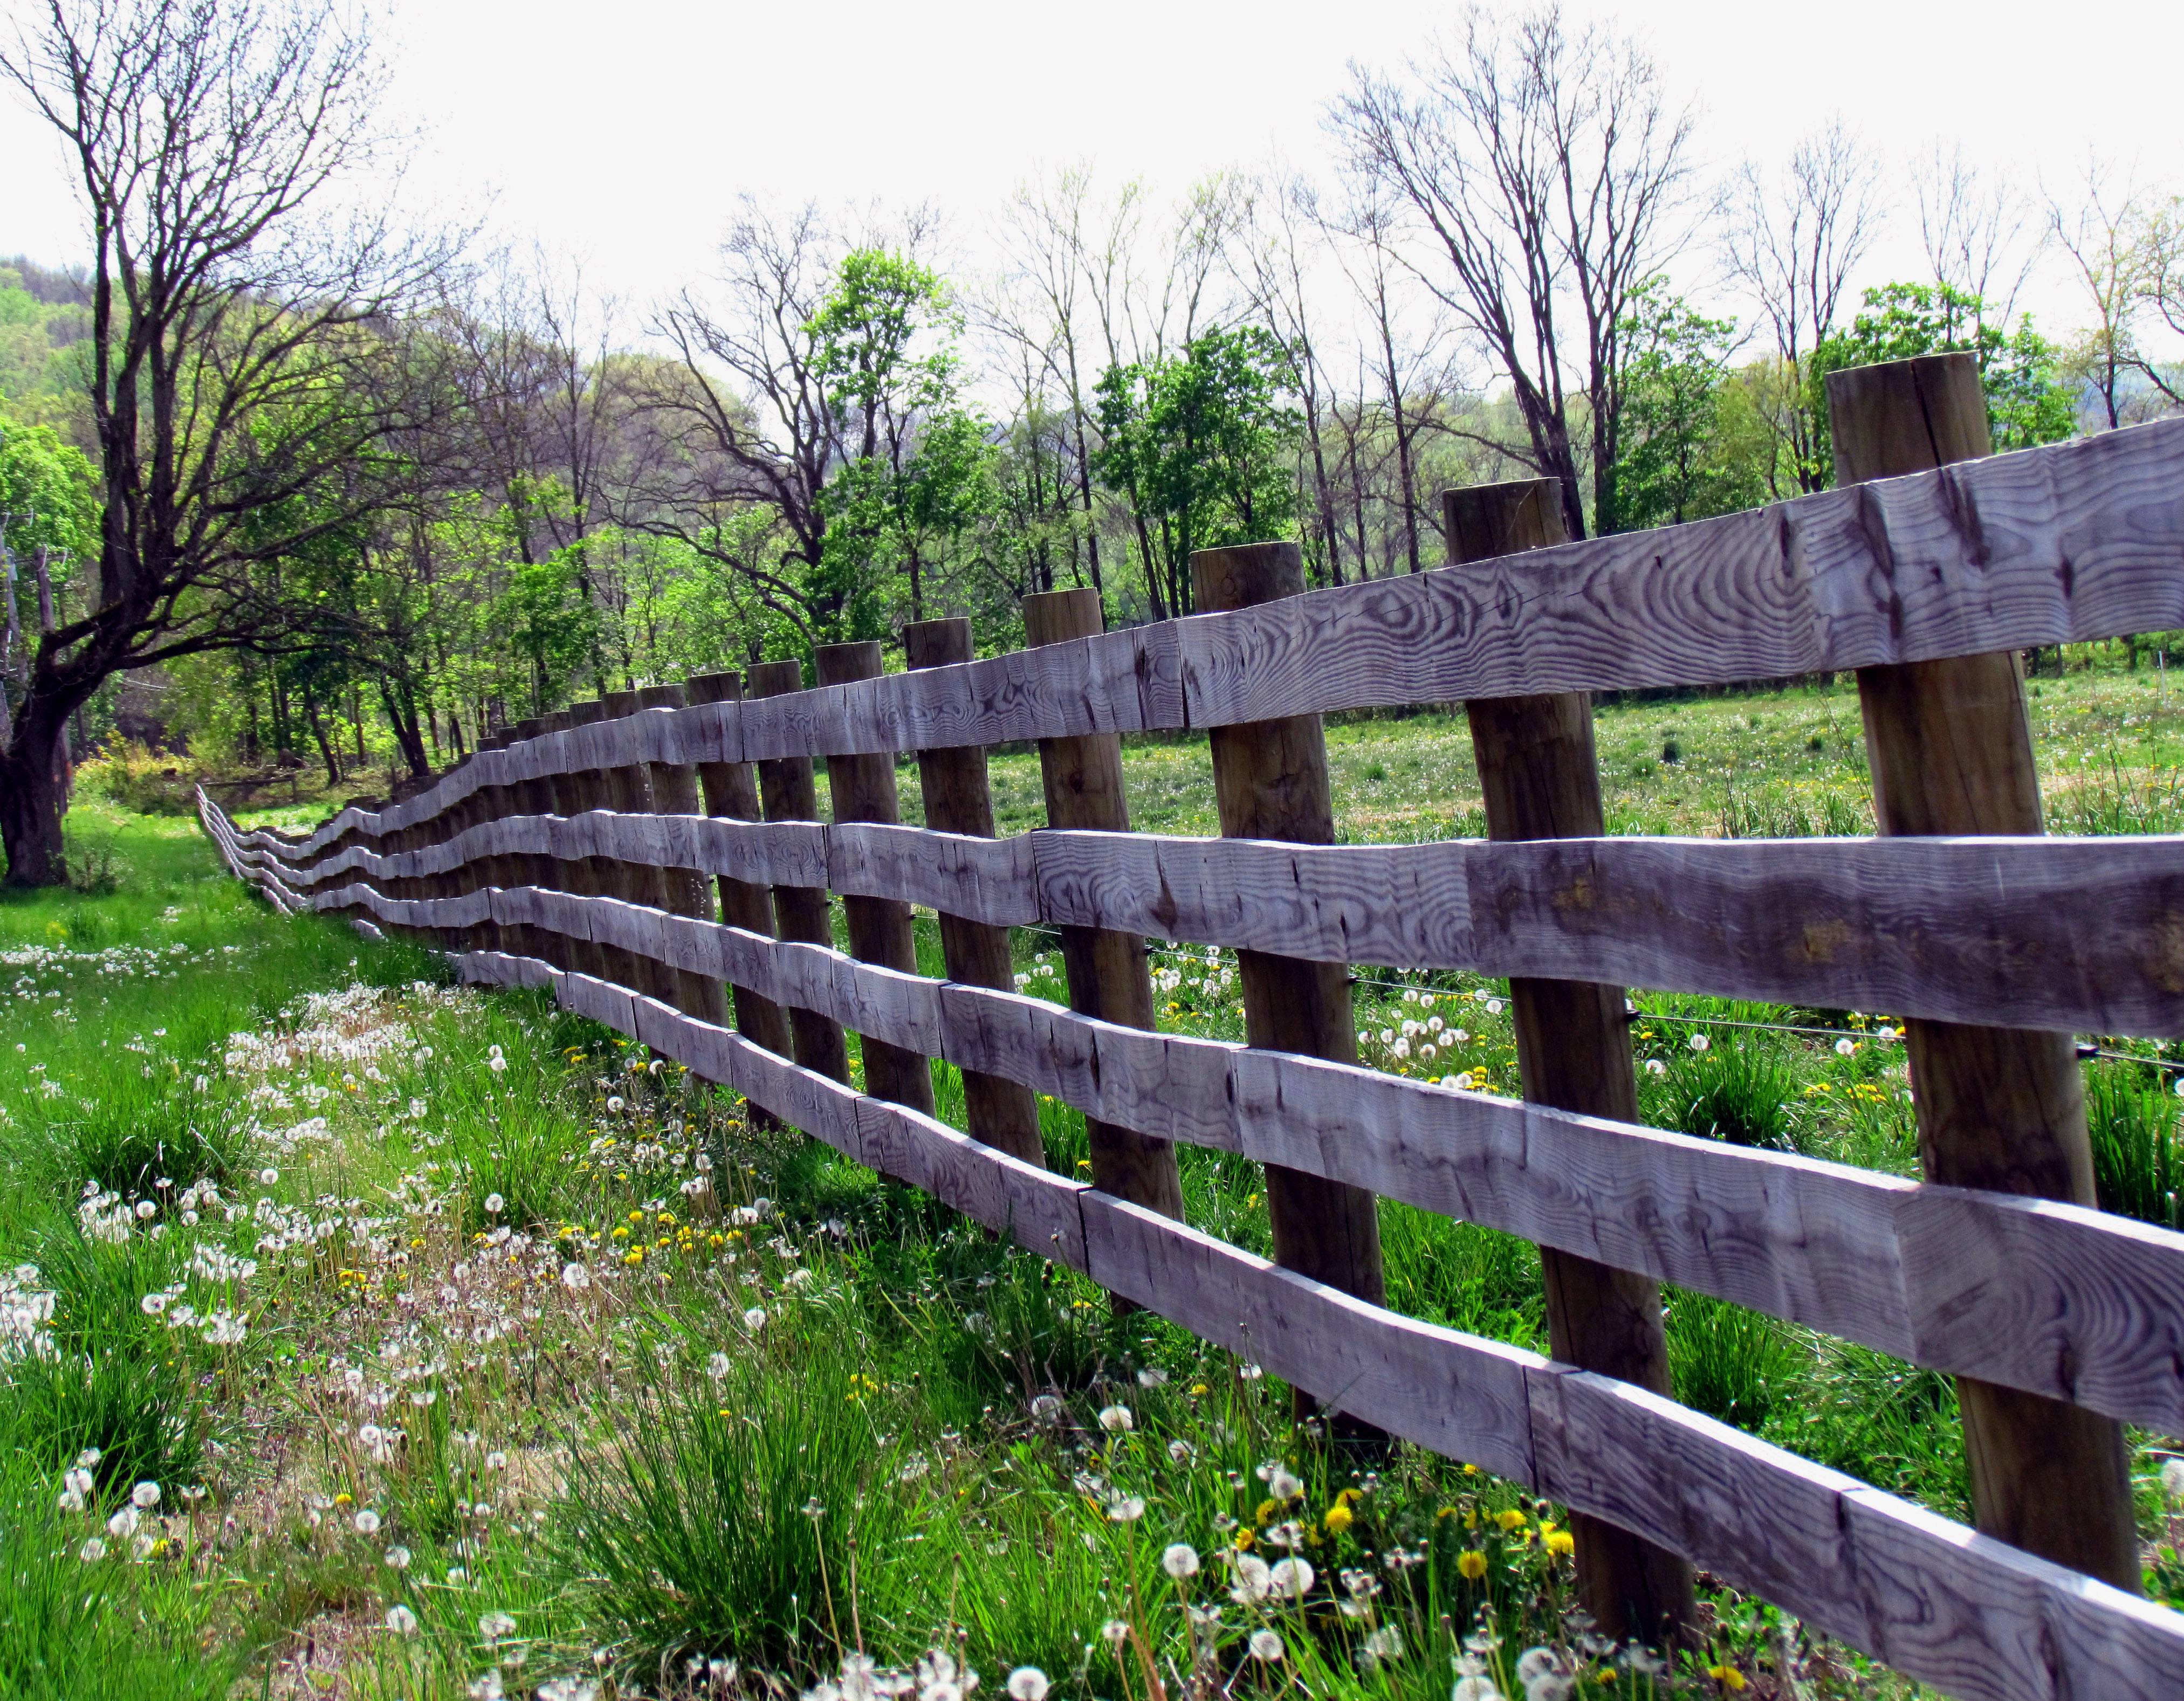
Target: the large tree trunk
(33, 797)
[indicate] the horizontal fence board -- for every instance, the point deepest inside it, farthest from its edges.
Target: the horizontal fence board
(1040, 1211)
(2073, 1302)
(2071, 542)
(1168, 1086)
(2079, 934)
(982, 879)
(1975, 1617)
(1763, 1519)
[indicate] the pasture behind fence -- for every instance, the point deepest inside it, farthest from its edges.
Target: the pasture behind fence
(638, 856)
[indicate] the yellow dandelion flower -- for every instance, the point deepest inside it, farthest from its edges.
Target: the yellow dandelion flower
(1511, 1520)
(1339, 1519)
(344, 1499)
(1562, 1544)
(635, 1256)
(1731, 1679)
(620, 1233)
(1267, 1512)
(1244, 1540)
(1471, 1564)
(1197, 1389)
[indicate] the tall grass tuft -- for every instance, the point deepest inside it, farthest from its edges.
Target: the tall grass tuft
(1746, 1093)
(1733, 1364)
(2137, 1166)
(1778, 815)
(115, 1382)
(719, 1515)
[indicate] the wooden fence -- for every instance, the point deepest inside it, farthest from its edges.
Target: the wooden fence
(583, 854)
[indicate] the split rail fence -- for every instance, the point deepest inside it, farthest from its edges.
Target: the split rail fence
(580, 854)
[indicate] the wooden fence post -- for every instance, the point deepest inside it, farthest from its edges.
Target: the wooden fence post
(487, 802)
(862, 789)
(1270, 781)
(629, 793)
(589, 789)
(1541, 780)
(958, 799)
(535, 869)
(730, 789)
(1950, 745)
(787, 792)
(674, 788)
(1108, 975)
(558, 794)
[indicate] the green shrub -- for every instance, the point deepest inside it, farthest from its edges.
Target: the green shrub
(142, 781)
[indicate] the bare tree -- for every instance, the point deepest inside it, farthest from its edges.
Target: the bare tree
(747, 421)
(1281, 234)
(1548, 168)
(251, 396)
(1980, 234)
(1792, 242)
(1035, 309)
(2103, 231)
(2162, 290)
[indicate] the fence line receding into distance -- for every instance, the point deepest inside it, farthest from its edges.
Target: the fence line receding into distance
(575, 855)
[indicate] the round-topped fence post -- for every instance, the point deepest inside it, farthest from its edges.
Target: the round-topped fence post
(1950, 746)
(674, 786)
(959, 799)
(629, 793)
(789, 792)
(1270, 781)
(1108, 974)
(1541, 780)
(730, 789)
(880, 929)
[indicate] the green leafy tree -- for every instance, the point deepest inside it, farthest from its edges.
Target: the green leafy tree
(915, 478)
(1674, 464)
(1202, 446)
(2027, 401)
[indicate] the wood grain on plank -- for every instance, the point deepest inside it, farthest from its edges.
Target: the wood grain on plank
(2064, 543)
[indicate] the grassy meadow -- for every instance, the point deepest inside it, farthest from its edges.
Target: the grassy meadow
(368, 1336)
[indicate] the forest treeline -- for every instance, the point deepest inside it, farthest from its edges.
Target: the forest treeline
(423, 490)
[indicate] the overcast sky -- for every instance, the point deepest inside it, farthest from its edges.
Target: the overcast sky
(623, 131)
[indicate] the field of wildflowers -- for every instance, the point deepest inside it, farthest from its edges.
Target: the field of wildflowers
(362, 1336)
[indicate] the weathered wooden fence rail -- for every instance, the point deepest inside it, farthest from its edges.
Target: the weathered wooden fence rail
(510, 860)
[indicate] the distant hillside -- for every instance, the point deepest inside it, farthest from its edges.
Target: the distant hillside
(45, 317)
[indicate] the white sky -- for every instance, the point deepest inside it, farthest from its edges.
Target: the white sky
(622, 132)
